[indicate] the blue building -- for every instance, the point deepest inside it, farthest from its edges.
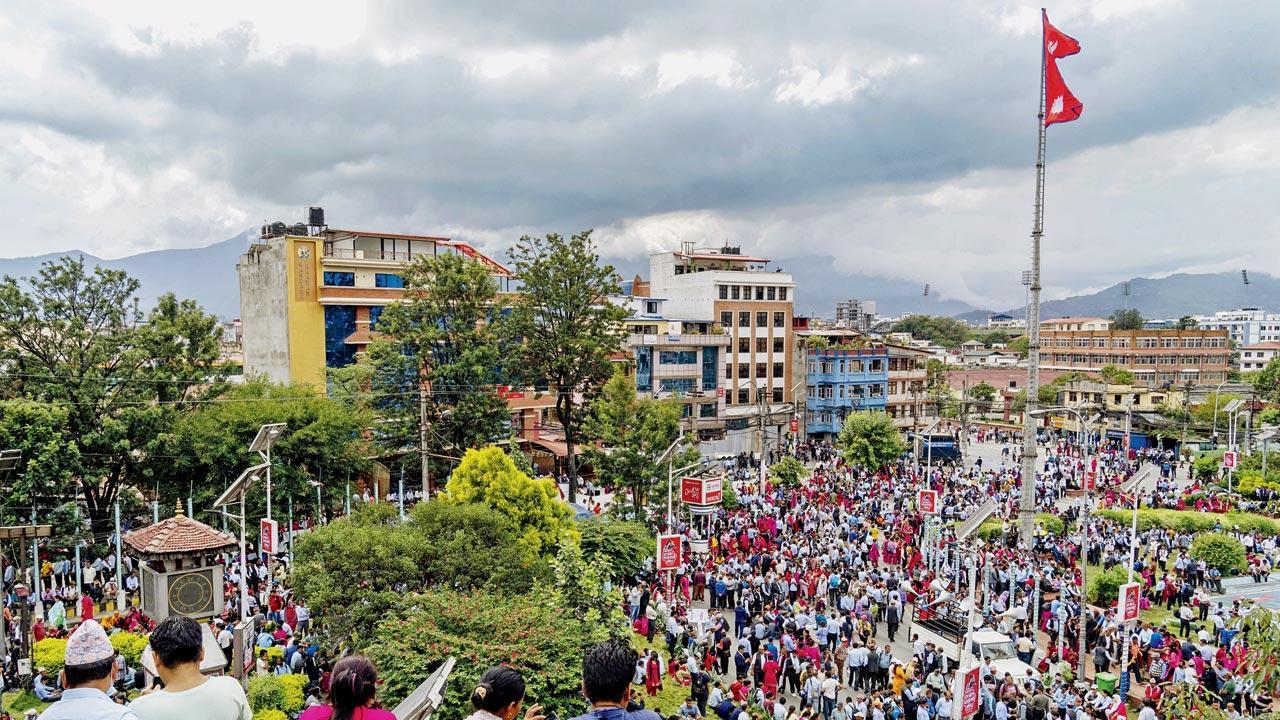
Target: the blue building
(842, 381)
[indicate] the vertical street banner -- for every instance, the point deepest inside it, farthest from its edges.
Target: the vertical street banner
(668, 552)
(967, 689)
(1128, 605)
(268, 540)
(927, 502)
(1229, 459)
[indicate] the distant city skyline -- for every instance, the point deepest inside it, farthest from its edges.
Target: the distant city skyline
(898, 139)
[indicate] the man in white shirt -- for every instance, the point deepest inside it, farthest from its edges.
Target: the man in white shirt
(88, 675)
(178, 648)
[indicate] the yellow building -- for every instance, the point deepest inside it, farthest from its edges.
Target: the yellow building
(310, 295)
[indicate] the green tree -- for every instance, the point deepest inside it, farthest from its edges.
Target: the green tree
(567, 328)
(77, 339)
(870, 440)
(623, 545)
(1020, 345)
(1115, 375)
(944, 331)
(788, 472)
(447, 326)
(1266, 382)
(471, 545)
(489, 476)
(1186, 322)
(633, 433)
(937, 383)
(207, 448)
(1127, 319)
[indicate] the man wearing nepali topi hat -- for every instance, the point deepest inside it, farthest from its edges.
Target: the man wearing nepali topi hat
(88, 674)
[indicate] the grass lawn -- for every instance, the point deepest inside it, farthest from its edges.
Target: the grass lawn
(673, 694)
(16, 702)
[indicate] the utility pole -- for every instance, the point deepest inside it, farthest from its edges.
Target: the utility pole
(1027, 501)
(760, 437)
(422, 441)
(119, 565)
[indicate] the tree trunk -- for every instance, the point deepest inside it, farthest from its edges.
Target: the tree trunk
(564, 412)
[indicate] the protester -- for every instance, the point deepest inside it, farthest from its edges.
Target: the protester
(498, 696)
(607, 672)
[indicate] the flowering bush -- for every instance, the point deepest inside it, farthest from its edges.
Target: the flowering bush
(265, 692)
(270, 714)
(293, 697)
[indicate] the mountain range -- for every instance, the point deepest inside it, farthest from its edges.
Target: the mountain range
(208, 275)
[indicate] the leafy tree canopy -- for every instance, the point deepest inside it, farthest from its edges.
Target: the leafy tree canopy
(1115, 375)
(870, 440)
(1130, 319)
(489, 476)
(944, 331)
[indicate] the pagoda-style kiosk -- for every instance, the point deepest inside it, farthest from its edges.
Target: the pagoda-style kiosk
(179, 575)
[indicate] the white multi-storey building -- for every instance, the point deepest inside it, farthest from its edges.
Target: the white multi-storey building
(753, 305)
(1245, 326)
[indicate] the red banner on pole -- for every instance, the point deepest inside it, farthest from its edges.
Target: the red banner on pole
(268, 543)
(669, 549)
(1129, 607)
(927, 502)
(971, 696)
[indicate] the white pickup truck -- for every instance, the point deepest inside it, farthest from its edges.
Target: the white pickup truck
(944, 626)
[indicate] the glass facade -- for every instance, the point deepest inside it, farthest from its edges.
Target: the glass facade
(374, 313)
(710, 366)
(339, 279)
(680, 385)
(339, 323)
(677, 357)
(644, 369)
(387, 280)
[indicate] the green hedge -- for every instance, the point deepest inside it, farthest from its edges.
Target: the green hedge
(1193, 521)
(1104, 587)
(1221, 551)
(992, 529)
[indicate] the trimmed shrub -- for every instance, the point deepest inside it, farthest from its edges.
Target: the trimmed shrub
(1221, 551)
(266, 692)
(293, 695)
(1193, 521)
(270, 714)
(1104, 587)
(130, 645)
(1051, 523)
(50, 654)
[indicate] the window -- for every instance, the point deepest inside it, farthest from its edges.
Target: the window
(762, 345)
(339, 323)
(651, 307)
(678, 357)
(728, 371)
(680, 385)
(744, 370)
(761, 369)
(724, 292)
(782, 293)
(387, 280)
(762, 319)
(726, 317)
(735, 293)
(779, 319)
(777, 345)
(759, 292)
(772, 293)
(743, 398)
(746, 292)
(339, 279)
(644, 369)
(744, 319)
(777, 370)
(707, 410)
(777, 395)
(744, 345)
(375, 312)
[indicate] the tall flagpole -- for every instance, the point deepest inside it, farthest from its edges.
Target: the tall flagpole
(1027, 505)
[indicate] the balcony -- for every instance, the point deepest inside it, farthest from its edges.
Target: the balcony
(683, 340)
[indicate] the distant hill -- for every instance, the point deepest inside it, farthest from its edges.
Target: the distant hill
(1167, 297)
(207, 274)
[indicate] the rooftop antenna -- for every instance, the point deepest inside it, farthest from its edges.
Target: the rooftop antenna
(1126, 290)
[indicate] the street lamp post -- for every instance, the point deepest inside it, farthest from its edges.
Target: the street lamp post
(236, 491)
(1216, 390)
(262, 442)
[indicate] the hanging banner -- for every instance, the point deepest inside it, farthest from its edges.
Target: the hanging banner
(971, 695)
(1128, 605)
(669, 547)
(1229, 459)
(927, 502)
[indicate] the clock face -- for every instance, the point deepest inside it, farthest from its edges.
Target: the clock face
(190, 594)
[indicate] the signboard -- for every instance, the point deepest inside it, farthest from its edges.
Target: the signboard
(719, 392)
(970, 694)
(1229, 459)
(927, 501)
(1091, 480)
(1129, 603)
(669, 549)
(701, 491)
(268, 536)
(795, 425)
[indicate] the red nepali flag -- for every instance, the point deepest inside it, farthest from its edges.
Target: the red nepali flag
(1059, 104)
(1057, 44)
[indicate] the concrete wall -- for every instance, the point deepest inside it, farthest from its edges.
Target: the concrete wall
(263, 303)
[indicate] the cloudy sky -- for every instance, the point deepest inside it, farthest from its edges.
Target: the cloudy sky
(896, 137)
